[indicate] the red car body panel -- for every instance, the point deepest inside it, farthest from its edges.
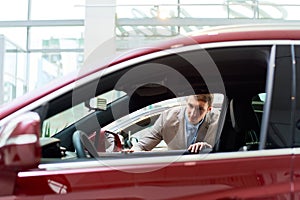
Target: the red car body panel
(233, 178)
(296, 176)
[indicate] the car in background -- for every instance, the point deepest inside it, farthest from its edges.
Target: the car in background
(53, 141)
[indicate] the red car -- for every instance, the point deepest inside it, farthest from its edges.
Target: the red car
(52, 145)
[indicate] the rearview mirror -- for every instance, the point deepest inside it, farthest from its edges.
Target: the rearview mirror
(96, 103)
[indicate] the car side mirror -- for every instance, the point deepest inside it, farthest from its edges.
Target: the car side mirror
(19, 142)
(96, 103)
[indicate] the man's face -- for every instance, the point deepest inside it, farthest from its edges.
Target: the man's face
(196, 110)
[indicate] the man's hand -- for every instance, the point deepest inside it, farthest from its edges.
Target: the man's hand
(195, 148)
(127, 150)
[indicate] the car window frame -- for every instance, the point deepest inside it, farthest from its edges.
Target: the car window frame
(285, 54)
(267, 104)
(234, 46)
(129, 63)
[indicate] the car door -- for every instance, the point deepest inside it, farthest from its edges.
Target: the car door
(231, 172)
(263, 173)
(296, 124)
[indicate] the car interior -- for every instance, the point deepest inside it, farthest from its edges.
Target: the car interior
(242, 69)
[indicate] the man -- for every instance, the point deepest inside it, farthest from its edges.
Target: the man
(191, 127)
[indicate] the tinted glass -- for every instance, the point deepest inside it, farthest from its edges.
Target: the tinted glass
(297, 113)
(279, 127)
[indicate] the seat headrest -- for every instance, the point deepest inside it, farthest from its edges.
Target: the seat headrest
(242, 115)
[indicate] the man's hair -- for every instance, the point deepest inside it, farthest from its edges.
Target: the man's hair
(209, 98)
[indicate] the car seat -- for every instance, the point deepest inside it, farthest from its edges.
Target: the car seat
(245, 123)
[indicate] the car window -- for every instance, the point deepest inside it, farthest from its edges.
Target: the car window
(280, 118)
(297, 112)
(252, 135)
(247, 120)
(133, 127)
(56, 123)
(130, 117)
(258, 102)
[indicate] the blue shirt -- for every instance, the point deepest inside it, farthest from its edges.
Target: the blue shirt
(191, 130)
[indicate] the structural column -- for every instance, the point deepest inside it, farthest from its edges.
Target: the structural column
(99, 40)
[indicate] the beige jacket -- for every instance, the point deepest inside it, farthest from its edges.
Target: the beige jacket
(170, 127)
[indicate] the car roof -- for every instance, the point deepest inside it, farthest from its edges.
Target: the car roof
(278, 31)
(282, 31)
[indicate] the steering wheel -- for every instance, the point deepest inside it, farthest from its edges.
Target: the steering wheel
(82, 142)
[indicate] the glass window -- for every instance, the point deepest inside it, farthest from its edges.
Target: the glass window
(56, 37)
(258, 102)
(203, 11)
(45, 67)
(14, 71)
(132, 127)
(297, 113)
(280, 2)
(16, 36)
(280, 126)
(139, 9)
(57, 9)
(13, 10)
(62, 120)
